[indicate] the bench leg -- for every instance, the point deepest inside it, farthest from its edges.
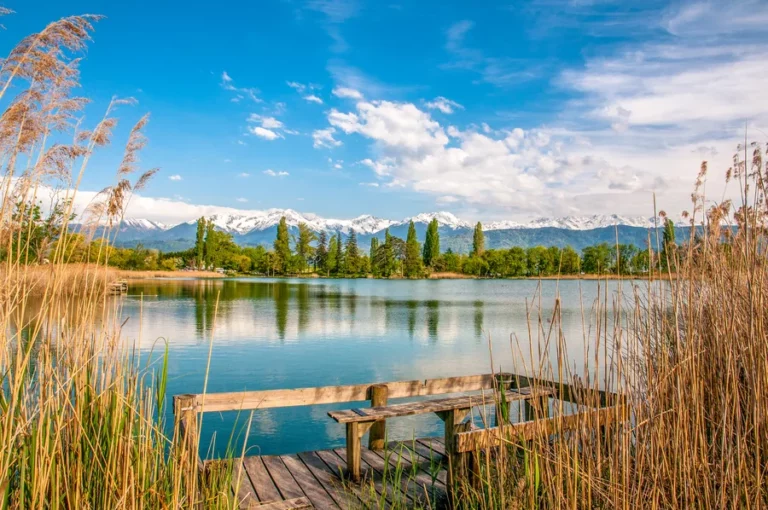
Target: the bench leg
(452, 421)
(355, 432)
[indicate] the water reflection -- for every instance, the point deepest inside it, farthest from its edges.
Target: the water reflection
(296, 333)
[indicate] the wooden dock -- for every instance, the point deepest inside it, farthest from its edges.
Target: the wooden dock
(417, 473)
(407, 473)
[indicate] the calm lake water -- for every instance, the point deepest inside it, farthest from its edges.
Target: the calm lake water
(272, 334)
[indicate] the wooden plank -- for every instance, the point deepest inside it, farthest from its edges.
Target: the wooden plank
(334, 459)
(301, 503)
(434, 443)
(233, 401)
(378, 433)
(418, 485)
(262, 482)
(242, 487)
(283, 479)
(496, 436)
(308, 483)
(569, 392)
(361, 415)
(327, 478)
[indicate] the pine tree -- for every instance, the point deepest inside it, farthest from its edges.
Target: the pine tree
(200, 243)
(478, 241)
(412, 266)
(321, 258)
(372, 256)
(351, 254)
(340, 265)
(431, 243)
(388, 260)
(282, 245)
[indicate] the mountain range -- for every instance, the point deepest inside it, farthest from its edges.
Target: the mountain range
(260, 227)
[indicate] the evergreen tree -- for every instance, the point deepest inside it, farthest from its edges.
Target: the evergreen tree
(431, 244)
(351, 254)
(282, 245)
(332, 261)
(321, 259)
(388, 260)
(200, 243)
(413, 265)
(668, 246)
(478, 240)
(340, 263)
(372, 256)
(304, 248)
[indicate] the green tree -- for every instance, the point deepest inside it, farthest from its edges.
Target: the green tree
(209, 247)
(304, 248)
(478, 240)
(412, 267)
(282, 246)
(340, 262)
(321, 258)
(596, 259)
(372, 256)
(431, 243)
(538, 260)
(668, 246)
(517, 262)
(200, 242)
(332, 261)
(570, 261)
(388, 257)
(351, 255)
(452, 261)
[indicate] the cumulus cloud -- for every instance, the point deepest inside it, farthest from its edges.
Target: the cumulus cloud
(313, 99)
(324, 138)
(242, 200)
(175, 177)
(346, 92)
(267, 134)
(272, 173)
(443, 104)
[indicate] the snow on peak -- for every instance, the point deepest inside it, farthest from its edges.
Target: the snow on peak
(444, 219)
(142, 224)
(248, 221)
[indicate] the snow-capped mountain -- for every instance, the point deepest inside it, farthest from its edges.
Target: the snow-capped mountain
(142, 224)
(250, 221)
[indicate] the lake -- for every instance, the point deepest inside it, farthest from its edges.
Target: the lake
(283, 333)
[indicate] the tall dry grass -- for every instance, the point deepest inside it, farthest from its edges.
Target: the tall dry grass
(690, 355)
(80, 421)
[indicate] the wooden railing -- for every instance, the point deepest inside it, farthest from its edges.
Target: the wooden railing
(604, 406)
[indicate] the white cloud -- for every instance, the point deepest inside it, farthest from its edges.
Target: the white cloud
(346, 92)
(227, 83)
(240, 142)
(324, 138)
(272, 173)
(300, 87)
(443, 104)
(267, 134)
(370, 184)
(175, 177)
(241, 200)
(313, 99)
(266, 122)
(244, 175)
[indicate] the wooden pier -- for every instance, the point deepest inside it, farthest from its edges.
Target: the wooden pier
(401, 473)
(118, 287)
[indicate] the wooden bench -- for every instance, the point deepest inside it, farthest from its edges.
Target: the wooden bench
(451, 410)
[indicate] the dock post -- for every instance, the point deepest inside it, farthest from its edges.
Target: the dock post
(186, 424)
(378, 434)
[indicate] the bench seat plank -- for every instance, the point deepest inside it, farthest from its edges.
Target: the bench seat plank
(360, 415)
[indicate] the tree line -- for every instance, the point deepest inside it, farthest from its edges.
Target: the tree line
(332, 255)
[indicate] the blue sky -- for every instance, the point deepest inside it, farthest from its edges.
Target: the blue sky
(511, 110)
